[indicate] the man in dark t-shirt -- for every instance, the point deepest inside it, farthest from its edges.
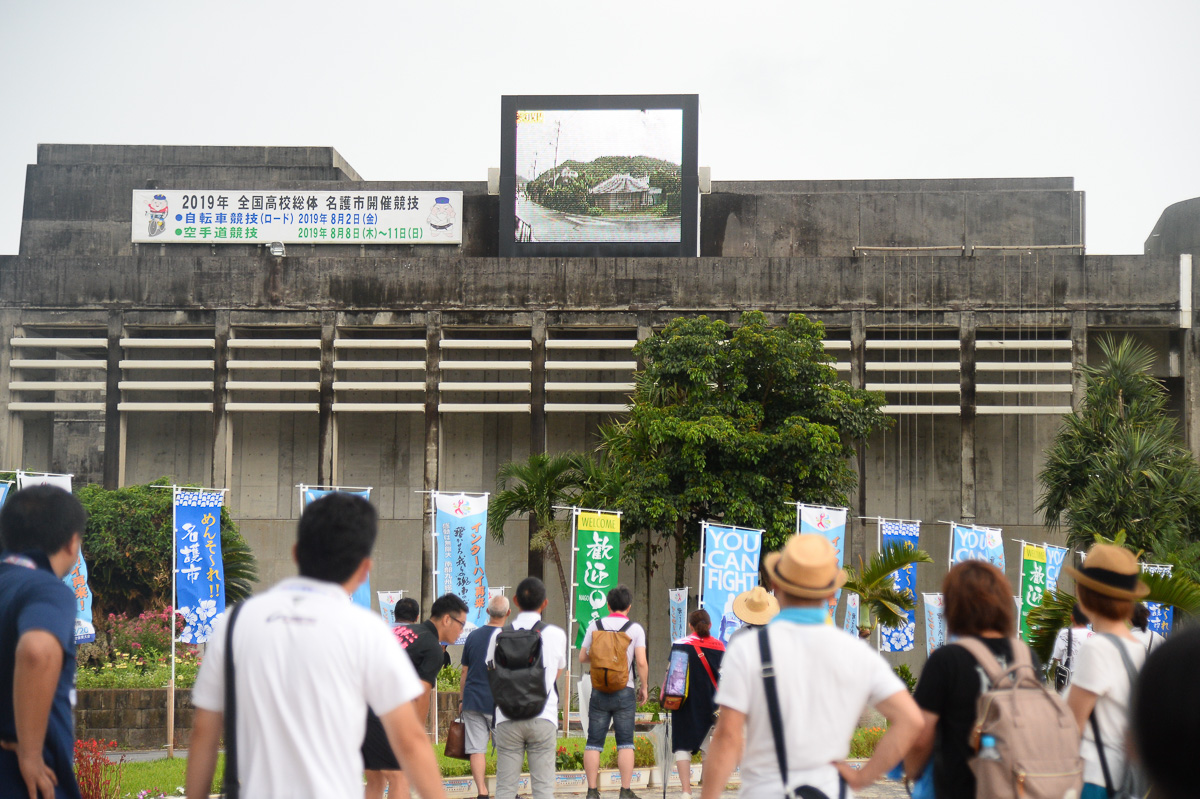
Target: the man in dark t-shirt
(478, 707)
(425, 645)
(951, 682)
(41, 532)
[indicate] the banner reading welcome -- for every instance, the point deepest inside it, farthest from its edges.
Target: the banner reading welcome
(199, 568)
(1033, 583)
(460, 549)
(598, 541)
(907, 535)
(728, 566)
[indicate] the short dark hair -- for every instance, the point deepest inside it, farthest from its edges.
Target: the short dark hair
(1103, 605)
(1141, 616)
(335, 535)
(978, 599)
(701, 622)
(41, 518)
(447, 603)
(1078, 616)
(620, 598)
(531, 593)
(407, 610)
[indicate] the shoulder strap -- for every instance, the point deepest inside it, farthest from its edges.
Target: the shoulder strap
(708, 668)
(987, 661)
(539, 626)
(230, 784)
(628, 623)
(1070, 649)
(773, 710)
(1108, 783)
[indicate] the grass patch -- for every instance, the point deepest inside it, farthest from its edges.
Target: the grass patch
(164, 776)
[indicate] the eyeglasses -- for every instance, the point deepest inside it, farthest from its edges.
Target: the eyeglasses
(461, 622)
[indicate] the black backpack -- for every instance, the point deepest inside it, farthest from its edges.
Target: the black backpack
(517, 674)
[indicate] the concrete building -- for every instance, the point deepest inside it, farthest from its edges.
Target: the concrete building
(970, 302)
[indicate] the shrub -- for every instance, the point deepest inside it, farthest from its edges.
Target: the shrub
(643, 754)
(98, 777)
(568, 759)
(864, 740)
(906, 676)
(136, 654)
(449, 680)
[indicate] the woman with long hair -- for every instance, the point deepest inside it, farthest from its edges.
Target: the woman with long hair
(692, 723)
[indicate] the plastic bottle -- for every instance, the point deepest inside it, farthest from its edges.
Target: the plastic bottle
(987, 748)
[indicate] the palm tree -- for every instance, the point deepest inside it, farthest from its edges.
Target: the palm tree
(534, 487)
(873, 584)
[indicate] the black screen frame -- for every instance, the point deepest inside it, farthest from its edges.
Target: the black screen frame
(689, 223)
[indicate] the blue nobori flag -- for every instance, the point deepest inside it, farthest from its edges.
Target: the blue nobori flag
(908, 535)
(460, 550)
(968, 542)
(729, 567)
(850, 620)
(199, 567)
(77, 581)
(1055, 556)
(5, 485)
(829, 522)
(362, 595)
(679, 604)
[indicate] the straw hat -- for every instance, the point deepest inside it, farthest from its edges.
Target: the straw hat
(806, 568)
(1111, 571)
(755, 606)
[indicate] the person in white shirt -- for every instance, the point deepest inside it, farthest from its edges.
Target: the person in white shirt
(308, 664)
(1141, 628)
(1066, 647)
(824, 679)
(1107, 586)
(536, 737)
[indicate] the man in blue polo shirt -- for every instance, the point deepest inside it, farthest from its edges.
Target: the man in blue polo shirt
(41, 531)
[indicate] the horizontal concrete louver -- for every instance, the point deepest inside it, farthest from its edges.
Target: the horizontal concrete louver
(1023, 372)
(58, 370)
(918, 372)
(165, 372)
(273, 374)
(379, 371)
(485, 371)
(586, 374)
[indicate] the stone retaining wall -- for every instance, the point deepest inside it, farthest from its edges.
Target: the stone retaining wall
(134, 718)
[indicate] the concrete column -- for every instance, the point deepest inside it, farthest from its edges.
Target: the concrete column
(433, 376)
(857, 536)
(1189, 343)
(966, 388)
(1079, 356)
(222, 455)
(325, 423)
(537, 422)
(11, 432)
(113, 428)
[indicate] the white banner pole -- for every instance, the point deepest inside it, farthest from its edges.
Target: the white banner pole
(571, 620)
(703, 539)
(171, 622)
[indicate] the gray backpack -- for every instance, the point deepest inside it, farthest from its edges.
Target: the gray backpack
(1037, 740)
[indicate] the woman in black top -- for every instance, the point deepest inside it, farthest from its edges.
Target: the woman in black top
(979, 603)
(691, 723)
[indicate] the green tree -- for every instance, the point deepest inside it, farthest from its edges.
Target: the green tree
(733, 425)
(873, 584)
(128, 549)
(1118, 465)
(534, 487)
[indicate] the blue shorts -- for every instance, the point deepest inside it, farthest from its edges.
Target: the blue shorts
(617, 709)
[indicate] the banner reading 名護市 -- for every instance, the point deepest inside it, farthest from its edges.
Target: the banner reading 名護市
(935, 622)
(460, 562)
(1033, 583)
(907, 535)
(679, 603)
(1161, 618)
(968, 542)
(598, 545)
(199, 569)
(234, 216)
(729, 566)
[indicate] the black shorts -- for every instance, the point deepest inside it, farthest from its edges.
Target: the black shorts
(376, 751)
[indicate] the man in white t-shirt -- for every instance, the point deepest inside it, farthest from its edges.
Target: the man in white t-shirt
(823, 678)
(535, 737)
(619, 708)
(308, 663)
(1066, 647)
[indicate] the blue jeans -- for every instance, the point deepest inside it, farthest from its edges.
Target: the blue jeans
(617, 709)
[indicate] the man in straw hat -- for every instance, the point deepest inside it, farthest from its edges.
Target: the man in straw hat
(1107, 586)
(823, 678)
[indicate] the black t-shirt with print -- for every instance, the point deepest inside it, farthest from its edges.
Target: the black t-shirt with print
(950, 684)
(421, 644)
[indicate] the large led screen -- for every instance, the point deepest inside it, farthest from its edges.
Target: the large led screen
(597, 175)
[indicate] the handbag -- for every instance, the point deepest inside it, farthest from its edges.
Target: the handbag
(456, 740)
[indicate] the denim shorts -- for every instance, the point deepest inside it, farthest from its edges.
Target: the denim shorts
(616, 709)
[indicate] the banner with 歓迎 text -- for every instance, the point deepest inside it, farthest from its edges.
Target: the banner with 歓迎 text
(199, 569)
(935, 622)
(460, 553)
(968, 542)
(829, 522)
(299, 216)
(598, 546)
(1033, 583)
(904, 581)
(679, 603)
(728, 566)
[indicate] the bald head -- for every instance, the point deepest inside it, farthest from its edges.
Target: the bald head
(497, 610)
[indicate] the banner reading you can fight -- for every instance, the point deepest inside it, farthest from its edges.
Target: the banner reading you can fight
(728, 566)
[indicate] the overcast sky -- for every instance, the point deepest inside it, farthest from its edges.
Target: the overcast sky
(1105, 92)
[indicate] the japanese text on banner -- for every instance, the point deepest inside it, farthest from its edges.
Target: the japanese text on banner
(77, 581)
(598, 541)
(1033, 583)
(850, 620)
(460, 554)
(679, 603)
(730, 567)
(907, 535)
(199, 568)
(935, 622)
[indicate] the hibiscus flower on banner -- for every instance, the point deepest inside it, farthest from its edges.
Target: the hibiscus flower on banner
(199, 568)
(907, 535)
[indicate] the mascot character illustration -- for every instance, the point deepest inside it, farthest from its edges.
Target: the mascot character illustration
(441, 218)
(157, 213)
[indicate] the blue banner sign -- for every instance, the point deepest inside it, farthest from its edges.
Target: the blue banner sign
(460, 563)
(729, 567)
(76, 580)
(907, 535)
(968, 542)
(199, 568)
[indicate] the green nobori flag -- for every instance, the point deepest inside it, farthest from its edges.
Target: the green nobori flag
(598, 539)
(1033, 583)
